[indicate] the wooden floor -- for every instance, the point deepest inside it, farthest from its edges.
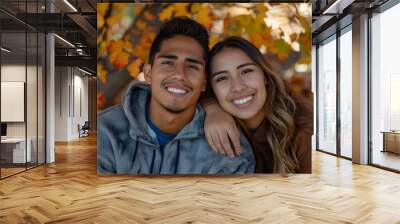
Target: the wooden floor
(70, 191)
(387, 159)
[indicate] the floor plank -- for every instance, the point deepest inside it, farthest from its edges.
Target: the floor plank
(70, 191)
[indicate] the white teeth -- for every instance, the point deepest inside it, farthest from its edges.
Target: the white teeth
(175, 90)
(243, 100)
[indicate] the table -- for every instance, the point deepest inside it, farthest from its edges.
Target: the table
(391, 141)
(16, 147)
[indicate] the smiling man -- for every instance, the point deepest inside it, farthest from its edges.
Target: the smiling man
(158, 129)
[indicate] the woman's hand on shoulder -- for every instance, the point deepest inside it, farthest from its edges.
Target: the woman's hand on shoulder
(221, 131)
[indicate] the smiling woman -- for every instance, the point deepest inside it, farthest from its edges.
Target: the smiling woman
(277, 123)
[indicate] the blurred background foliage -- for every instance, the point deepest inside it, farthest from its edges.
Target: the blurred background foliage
(125, 32)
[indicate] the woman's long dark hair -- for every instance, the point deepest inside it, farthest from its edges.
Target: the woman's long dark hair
(279, 107)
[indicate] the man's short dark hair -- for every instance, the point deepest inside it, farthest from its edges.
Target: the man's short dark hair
(180, 26)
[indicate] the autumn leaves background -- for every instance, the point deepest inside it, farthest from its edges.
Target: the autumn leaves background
(125, 32)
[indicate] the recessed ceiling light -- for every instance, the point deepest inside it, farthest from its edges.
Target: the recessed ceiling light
(5, 49)
(86, 72)
(70, 5)
(64, 40)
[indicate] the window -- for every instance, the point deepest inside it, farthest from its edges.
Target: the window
(327, 96)
(385, 89)
(346, 93)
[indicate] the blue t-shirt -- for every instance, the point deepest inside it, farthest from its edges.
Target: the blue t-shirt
(162, 137)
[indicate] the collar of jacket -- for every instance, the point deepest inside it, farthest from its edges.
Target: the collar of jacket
(134, 105)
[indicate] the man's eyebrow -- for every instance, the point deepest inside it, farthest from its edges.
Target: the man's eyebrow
(171, 56)
(245, 64)
(194, 61)
(168, 56)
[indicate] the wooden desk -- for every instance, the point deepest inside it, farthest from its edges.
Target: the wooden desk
(391, 141)
(16, 147)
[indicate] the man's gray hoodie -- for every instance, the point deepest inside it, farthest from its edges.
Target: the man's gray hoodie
(125, 145)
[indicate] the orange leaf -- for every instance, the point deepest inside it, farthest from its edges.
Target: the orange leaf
(134, 68)
(149, 16)
(115, 45)
(140, 24)
(102, 73)
(137, 8)
(119, 59)
(101, 100)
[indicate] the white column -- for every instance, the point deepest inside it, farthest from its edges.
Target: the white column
(50, 110)
(360, 90)
(50, 93)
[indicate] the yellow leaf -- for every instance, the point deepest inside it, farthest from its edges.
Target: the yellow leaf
(203, 17)
(116, 18)
(261, 8)
(119, 59)
(181, 9)
(100, 21)
(195, 7)
(166, 13)
(101, 73)
(120, 6)
(102, 8)
(213, 40)
(134, 68)
(102, 50)
(128, 46)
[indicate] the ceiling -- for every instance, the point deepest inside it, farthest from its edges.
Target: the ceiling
(22, 20)
(330, 15)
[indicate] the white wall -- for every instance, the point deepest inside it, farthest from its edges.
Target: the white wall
(16, 73)
(33, 126)
(61, 103)
(71, 93)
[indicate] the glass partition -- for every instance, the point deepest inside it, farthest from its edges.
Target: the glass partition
(13, 105)
(22, 89)
(385, 89)
(327, 96)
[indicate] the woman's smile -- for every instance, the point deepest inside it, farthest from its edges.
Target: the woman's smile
(243, 102)
(238, 84)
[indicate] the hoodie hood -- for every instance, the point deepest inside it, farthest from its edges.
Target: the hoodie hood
(134, 106)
